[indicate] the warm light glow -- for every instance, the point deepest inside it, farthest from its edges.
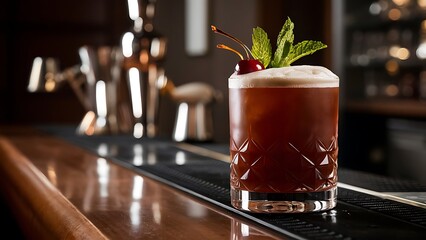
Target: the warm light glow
(51, 174)
(393, 50)
(84, 68)
(180, 158)
(245, 230)
(245, 199)
(155, 47)
(101, 122)
(148, 27)
(161, 80)
(35, 74)
(394, 14)
(399, 52)
(135, 92)
(50, 83)
(135, 213)
(156, 212)
(421, 3)
(391, 90)
(182, 118)
(138, 24)
(86, 65)
(126, 44)
(103, 150)
(138, 130)
(150, 10)
(144, 57)
(102, 168)
(137, 155)
(133, 7)
(86, 125)
(101, 101)
(196, 210)
(421, 51)
(137, 187)
(401, 2)
(403, 54)
(392, 67)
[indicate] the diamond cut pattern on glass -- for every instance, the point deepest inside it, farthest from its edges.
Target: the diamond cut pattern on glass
(284, 167)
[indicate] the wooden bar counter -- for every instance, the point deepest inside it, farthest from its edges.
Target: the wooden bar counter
(57, 190)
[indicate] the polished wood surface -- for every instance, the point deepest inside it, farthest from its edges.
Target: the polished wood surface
(58, 190)
(36, 199)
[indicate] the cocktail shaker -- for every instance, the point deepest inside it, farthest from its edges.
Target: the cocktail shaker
(143, 50)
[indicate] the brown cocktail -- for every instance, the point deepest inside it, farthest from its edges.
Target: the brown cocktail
(283, 139)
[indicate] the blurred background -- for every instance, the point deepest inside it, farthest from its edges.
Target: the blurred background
(376, 47)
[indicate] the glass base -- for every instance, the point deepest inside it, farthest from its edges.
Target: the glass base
(284, 202)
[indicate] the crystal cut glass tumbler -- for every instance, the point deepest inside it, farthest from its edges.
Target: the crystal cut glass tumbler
(283, 140)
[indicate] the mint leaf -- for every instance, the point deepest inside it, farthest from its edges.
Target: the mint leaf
(285, 53)
(302, 49)
(261, 48)
(284, 43)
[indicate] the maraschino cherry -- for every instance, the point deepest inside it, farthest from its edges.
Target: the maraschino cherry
(248, 65)
(244, 65)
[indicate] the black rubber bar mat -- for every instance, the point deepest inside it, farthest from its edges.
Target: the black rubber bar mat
(357, 215)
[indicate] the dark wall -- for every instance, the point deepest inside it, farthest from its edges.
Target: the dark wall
(58, 28)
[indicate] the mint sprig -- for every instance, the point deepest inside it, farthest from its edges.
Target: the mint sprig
(286, 53)
(284, 44)
(302, 49)
(261, 49)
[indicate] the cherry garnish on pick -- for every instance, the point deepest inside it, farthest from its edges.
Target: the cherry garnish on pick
(244, 65)
(248, 65)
